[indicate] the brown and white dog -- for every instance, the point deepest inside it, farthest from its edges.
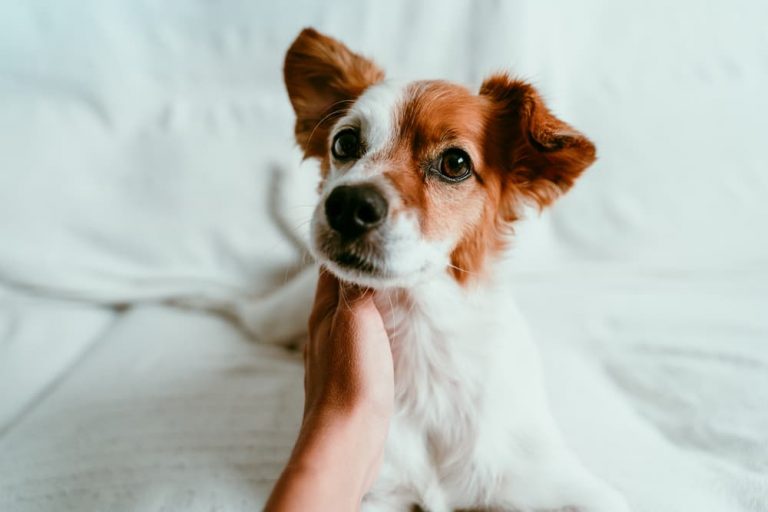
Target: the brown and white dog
(420, 183)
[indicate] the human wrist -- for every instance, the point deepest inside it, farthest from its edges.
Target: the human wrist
(341, 445)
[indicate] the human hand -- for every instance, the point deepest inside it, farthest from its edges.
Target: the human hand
(349, 399)
(348, 359)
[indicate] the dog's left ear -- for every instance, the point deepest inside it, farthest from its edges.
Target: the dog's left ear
(323, 77)
(540, 154)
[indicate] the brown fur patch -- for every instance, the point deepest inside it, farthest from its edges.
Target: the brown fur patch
(520, 153)
(542, 155)
(323, 78)
(435, 116)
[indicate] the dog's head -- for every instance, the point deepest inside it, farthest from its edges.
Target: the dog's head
(424, 177)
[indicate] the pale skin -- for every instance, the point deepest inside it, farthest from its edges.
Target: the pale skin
(349, 400)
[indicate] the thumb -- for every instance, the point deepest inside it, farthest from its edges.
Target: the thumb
(357, 302)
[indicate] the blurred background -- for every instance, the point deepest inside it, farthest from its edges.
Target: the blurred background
(137, 140)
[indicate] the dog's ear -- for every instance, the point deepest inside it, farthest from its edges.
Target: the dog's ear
(540, 155)
(323, 77)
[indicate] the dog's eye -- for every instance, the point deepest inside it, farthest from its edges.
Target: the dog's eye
(455, 165)
(346, 145)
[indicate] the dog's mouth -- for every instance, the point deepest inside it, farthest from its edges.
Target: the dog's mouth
(366, 261)
(354, 268)
(352, 258)
(352, 261)
(364, 266)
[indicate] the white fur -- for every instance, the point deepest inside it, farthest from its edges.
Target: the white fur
(472, 428)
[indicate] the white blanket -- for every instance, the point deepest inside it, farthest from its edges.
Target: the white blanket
(136, 143)
(137, 137)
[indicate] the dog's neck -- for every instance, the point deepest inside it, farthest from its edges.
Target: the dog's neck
(440, 304)
(442, 301)
(435, 329)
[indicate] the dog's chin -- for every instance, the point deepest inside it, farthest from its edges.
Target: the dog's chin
(353, 269)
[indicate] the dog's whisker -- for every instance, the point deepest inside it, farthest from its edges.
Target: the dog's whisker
(395, 334)
(461, 269)
(334, 113)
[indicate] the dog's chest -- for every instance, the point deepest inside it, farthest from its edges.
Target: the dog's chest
(440, 361)
(466, 374)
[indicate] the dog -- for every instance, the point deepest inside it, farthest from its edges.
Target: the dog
(420, 184)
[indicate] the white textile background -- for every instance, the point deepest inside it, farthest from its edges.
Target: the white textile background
(137, 136)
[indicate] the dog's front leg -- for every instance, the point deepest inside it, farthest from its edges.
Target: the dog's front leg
(281, 317)
(390, 503)
(406, 479)
(558, 484)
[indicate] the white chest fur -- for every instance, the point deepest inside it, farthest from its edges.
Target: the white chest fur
(453, 346)
(466, 380)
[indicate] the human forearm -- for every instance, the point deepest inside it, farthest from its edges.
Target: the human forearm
(332, 465)
(349, 399)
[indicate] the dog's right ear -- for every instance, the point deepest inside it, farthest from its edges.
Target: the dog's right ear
(542, 155)
(323, 78)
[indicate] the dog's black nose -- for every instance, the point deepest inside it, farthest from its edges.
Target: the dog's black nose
(354, 210)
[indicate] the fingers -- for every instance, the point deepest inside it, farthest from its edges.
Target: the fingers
(327, 287)
(340, 298)
(326, 296)
(357, 309)
(351, 294)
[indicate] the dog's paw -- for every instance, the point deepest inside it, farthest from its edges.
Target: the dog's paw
(270, 324)
(200, 304)
(252, 320)
(608, 501)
